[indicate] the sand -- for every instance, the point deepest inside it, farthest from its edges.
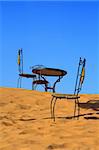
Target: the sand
(25, 122)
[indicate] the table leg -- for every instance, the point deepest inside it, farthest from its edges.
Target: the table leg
(58, 80)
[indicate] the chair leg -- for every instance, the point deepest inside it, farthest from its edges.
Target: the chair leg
(33, 86)
(19, 82)
(54, 109)
(51, 107)
(75, 109)
(78, 110)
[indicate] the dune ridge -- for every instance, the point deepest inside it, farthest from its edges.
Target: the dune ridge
(25, 122)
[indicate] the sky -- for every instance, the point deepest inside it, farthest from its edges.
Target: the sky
(51, 33)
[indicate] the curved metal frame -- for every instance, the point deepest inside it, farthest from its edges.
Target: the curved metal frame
(20, 68)
(78, 87)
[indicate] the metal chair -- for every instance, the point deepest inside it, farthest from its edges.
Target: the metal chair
(20, 68)
(40, 80)
(78, 86)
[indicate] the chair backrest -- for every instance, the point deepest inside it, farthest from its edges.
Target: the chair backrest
(20, 60)
(80, 76)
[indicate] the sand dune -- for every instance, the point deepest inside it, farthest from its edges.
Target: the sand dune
(25, 122)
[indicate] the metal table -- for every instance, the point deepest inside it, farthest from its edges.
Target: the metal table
(42, 72)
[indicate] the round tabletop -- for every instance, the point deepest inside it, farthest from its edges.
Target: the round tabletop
(49, 72)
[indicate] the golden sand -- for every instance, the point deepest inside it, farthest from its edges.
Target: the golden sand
(25, 122)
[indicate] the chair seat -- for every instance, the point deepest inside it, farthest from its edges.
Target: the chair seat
(49, 87)
(40, 82)
(66, 96)
(27, 75)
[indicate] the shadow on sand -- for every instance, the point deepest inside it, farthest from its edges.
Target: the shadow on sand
(91, 104)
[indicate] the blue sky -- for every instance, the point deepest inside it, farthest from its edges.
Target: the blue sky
(54, 34)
